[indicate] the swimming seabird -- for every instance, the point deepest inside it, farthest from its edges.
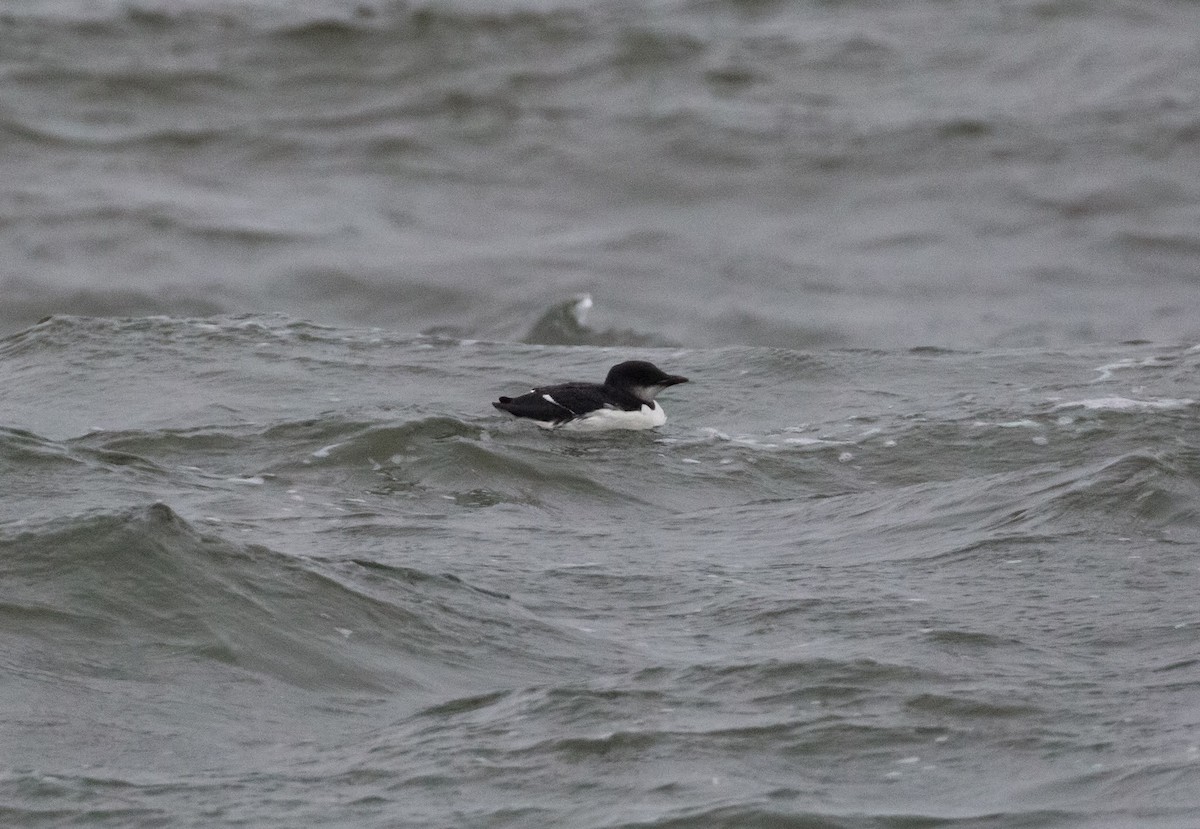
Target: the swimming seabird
(625, 400)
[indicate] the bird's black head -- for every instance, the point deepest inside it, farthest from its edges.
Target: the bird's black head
(641, 379)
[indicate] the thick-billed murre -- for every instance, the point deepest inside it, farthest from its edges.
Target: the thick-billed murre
(625, 400)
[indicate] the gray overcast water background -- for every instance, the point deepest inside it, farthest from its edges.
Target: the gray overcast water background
(918, 547)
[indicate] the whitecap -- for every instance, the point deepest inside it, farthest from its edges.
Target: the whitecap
(1125, 404)
(324, 451)
(1106, 370)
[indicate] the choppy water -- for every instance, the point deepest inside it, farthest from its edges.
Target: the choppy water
(806, 174)
(919, 545)
(273, 574)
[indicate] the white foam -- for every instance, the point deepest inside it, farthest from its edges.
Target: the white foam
(1125, 404)
(804, 441)
(1106, 370)
(583, 304)
(1020, 424)
(753, 443)
(1010, 424)
(324, 451)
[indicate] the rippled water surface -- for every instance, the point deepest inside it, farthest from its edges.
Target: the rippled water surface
(270, 573)
(798, 175)
(919, 545)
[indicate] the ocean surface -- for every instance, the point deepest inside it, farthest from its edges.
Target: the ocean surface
(918, 547)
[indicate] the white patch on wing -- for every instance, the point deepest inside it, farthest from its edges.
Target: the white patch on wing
(649, 416)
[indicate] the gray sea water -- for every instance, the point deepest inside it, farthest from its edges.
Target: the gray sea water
(919, 545)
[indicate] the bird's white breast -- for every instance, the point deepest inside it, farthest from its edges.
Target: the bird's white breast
(649, 416)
